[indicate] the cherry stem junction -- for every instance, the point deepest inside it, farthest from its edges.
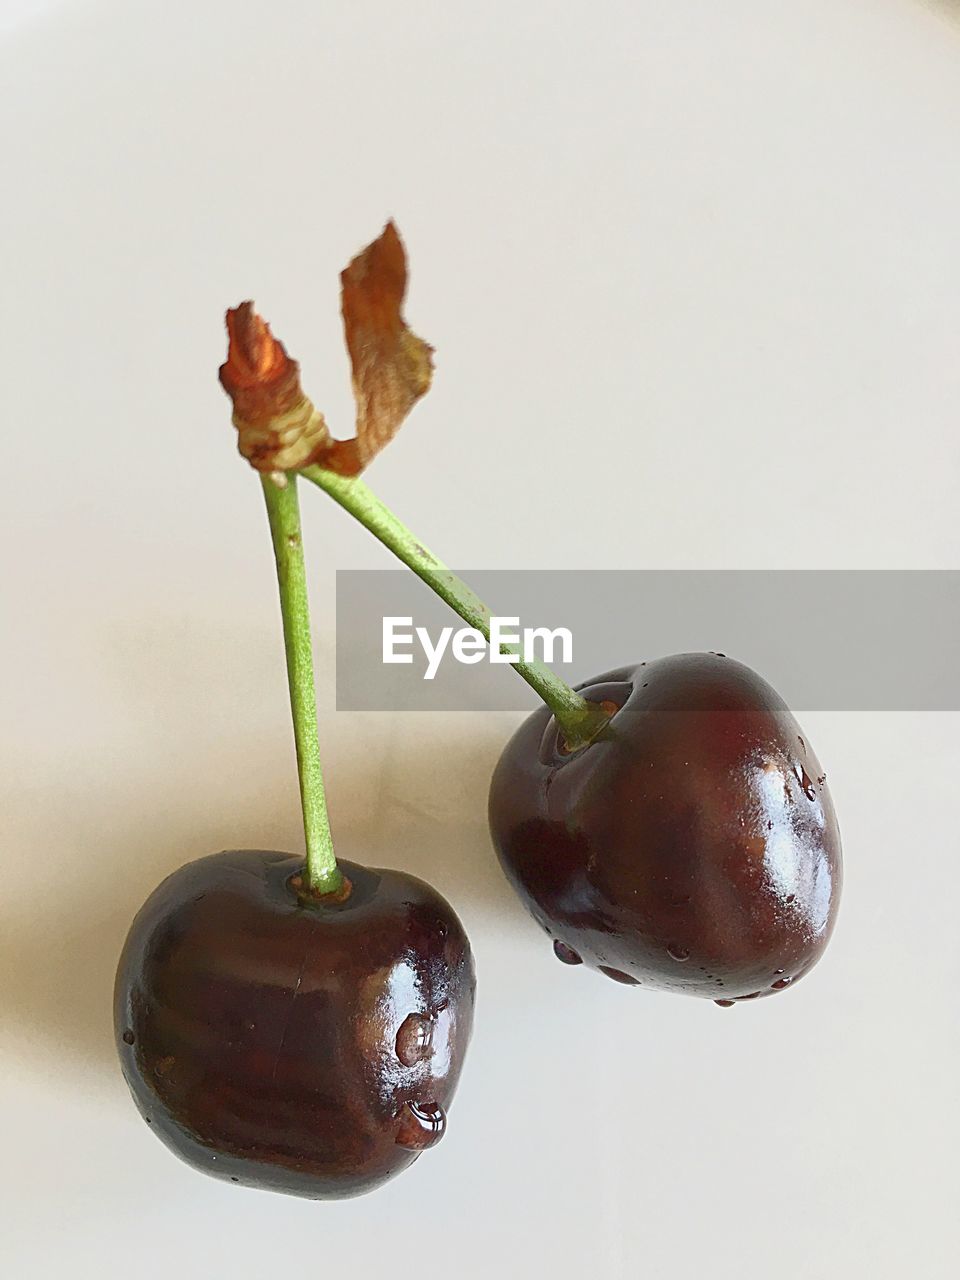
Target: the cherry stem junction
(579, 719)
(283, 509)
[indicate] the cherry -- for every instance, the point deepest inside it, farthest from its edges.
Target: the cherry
(298, 1024)
(302, 1044)
(691, 846)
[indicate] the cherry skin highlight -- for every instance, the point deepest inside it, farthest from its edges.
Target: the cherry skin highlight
(298, 1045)
(691, 847)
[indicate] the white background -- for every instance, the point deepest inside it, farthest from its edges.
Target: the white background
(692, 273)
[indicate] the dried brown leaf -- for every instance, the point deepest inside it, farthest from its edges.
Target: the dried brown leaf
(392, 367)
(279, 428)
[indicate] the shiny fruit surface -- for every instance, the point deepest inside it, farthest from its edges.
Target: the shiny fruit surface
(305, 1046)
(691, 847)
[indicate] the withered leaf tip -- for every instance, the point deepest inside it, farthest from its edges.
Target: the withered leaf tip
(391, 367)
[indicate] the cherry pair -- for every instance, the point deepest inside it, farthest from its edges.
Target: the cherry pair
(300, 1025)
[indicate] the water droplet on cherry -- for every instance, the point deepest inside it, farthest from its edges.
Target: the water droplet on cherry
(619, 976)
(780, 984)
(129, 1037)
(806, 786)
(565, 953)
(421, 1125)
(415, 1039)
(678, 953)
(725, 1004)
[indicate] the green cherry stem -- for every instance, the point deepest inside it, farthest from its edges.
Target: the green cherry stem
(579, 719)
(283, 509)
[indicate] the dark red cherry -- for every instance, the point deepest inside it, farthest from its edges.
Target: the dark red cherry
(306, 1046)
(691, 847)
